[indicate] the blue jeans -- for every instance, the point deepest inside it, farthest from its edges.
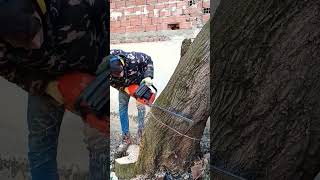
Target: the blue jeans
(123, 113)
(44, 119)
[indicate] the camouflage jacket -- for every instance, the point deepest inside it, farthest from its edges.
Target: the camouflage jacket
(137, 67)
(76, 41)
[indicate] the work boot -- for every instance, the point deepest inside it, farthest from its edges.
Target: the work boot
(139, 136)
(126, 141)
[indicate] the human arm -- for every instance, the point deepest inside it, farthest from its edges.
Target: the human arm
(31, 81)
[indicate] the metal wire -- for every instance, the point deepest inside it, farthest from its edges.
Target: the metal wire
(172, 113)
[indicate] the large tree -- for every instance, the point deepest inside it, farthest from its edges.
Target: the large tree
(265, 88)
(167, 141)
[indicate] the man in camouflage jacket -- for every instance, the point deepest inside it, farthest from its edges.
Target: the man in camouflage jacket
(71, 37)
(129, 68)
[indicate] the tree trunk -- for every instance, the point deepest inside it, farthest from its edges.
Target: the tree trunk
(265, 113)
(187, 93)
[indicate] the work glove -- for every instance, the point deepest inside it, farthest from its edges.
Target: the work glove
(147, 81)
(53, 91)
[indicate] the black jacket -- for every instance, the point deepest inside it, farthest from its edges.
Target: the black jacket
(137, 66)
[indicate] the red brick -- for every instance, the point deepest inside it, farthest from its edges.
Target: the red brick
(124, 23)
(182, 18)
(115, 24)
(118, 30)
(120, 4)
(130, 3)
(134, 18)
(140, 2)
(165, 13)
(195, 10)
(112, 5)
(130, 29)
(156, 20)
(135, 22)
(129, 10)
(205, 18)
(169, 20)
(206, 4)
(137, 9)
(162, 13)
(162, 27)
(199, 5)
(151, 15)
(181, 4)
(196, 13)
(150, 7)
(146, 21)
(160, 6)
(151, 1)
(134, 28)
(161, 1)
(185, 25)
(150, 27)
(171, 5)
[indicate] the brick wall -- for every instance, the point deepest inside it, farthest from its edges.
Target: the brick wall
(132, 16)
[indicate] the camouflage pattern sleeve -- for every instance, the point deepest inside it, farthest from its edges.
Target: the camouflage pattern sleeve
(117, 52)
(32, 82)
(147, 65)
(77, 41)
(144, 61)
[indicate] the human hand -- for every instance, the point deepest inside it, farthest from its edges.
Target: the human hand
(147, 81)
(53, 91)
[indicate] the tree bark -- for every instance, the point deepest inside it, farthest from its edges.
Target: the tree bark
(187, 93)
(265, 84)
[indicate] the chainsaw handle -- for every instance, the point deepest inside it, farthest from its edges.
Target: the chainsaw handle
(154, 88)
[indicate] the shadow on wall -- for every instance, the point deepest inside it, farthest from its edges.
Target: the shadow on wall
(13, 134)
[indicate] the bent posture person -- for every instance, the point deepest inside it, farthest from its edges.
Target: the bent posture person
(128, 68)
(39, 42)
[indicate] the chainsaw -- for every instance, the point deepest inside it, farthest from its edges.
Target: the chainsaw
(73, 86)
(146, 95)
(142, 93)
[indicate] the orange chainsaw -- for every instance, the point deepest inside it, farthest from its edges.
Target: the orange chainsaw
(142, 93)
(78, 88)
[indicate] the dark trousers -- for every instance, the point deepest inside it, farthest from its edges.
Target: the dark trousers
(44, 119)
